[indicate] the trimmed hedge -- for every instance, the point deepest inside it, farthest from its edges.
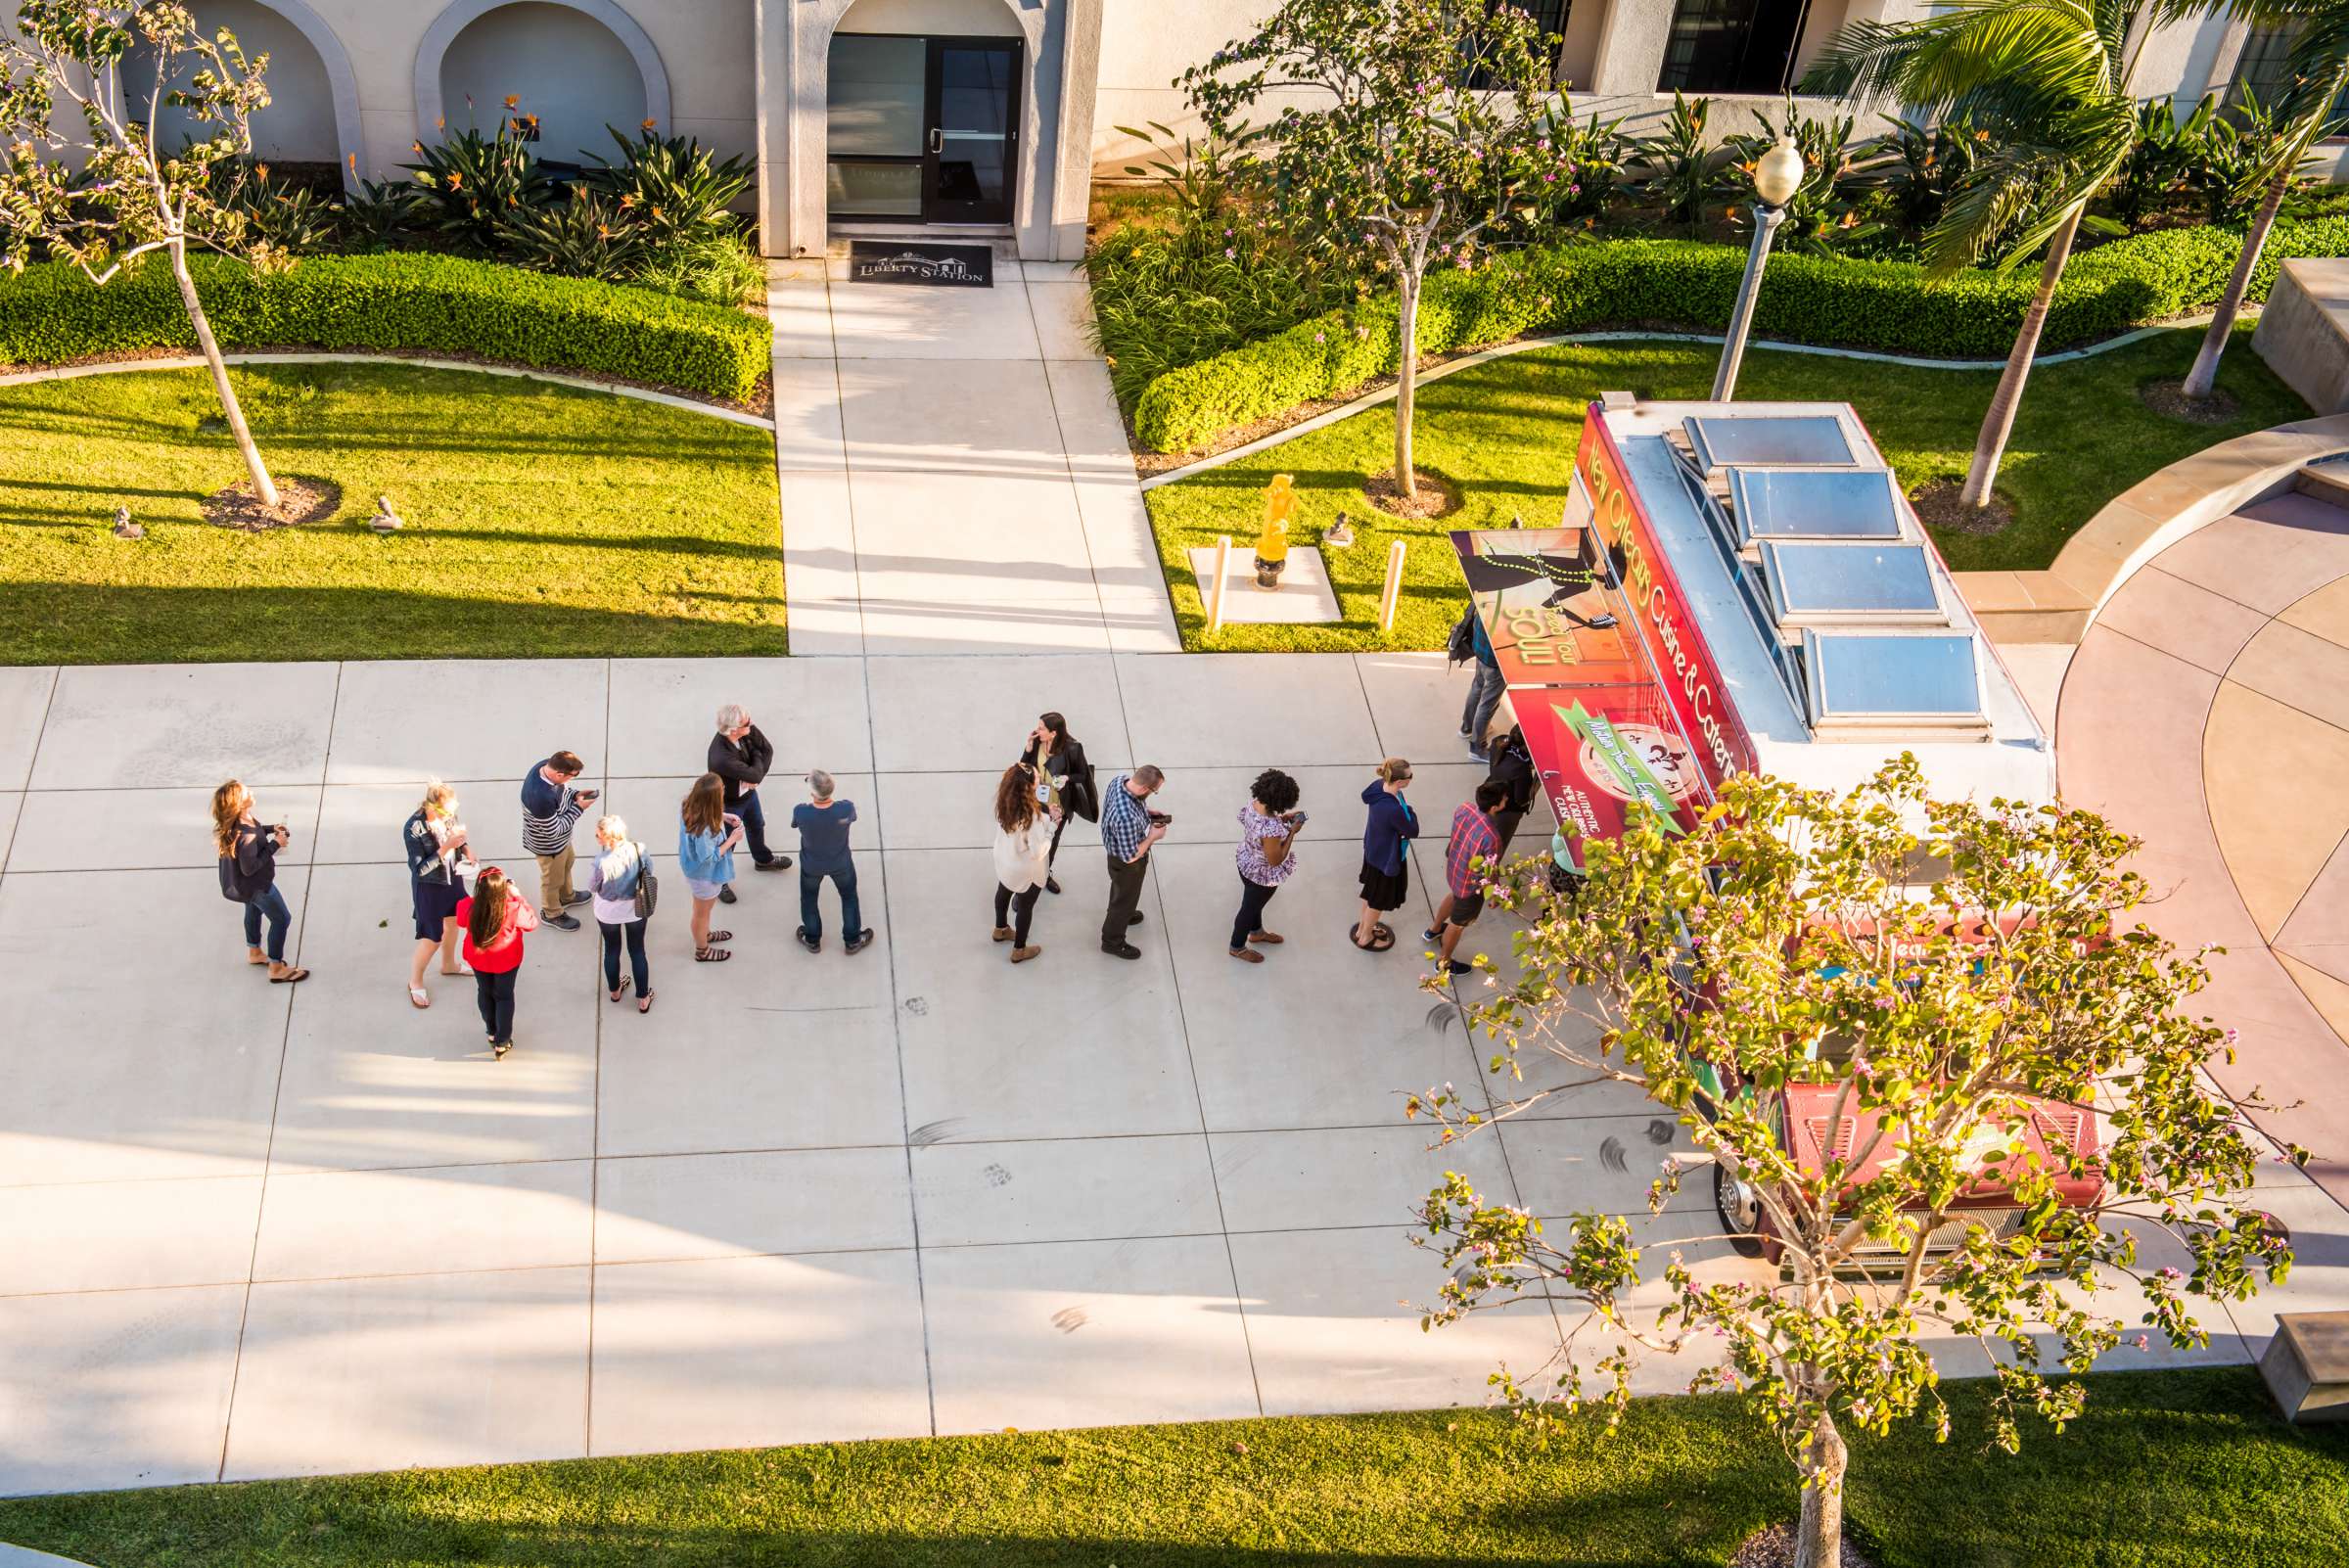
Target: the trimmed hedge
(52, 314)
(1883, 306)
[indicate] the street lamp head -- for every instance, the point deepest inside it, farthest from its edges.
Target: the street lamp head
(1779, 173)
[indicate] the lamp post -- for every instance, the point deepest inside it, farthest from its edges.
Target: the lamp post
(1777, 175)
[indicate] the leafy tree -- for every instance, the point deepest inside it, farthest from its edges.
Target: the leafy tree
(1864, 1067)
(84, 178)
(2310, 107)
(2048, 79)
(1424, 124)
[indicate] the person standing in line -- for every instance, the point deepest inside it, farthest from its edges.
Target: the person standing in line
(1065, 781)
(438, 863)
(1024, 832)
(1267, 858)
(612, 879)
(1474, 840)
(1386, 854)
(1513, 770)
(741, 754)
(549, 806)
(493, 920)
(1486, 686)
(1130, 830)
(247, 851)
(707, 834)
(823, 824)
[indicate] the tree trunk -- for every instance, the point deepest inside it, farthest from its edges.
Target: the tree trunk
(2203, 379)
(1406, 372)
(1998, 422)
(263, 487)
(1818, 1539)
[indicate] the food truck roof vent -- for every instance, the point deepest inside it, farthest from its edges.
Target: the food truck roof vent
(1808, 441)
(1618, 402)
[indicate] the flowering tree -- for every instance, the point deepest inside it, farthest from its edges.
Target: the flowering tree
(1424, 124)
(91, 186)
(1967, 1110)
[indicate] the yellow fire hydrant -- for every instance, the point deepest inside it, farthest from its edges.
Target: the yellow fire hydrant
(1272, 544)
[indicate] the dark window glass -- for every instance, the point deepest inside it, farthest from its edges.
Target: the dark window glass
(1732, 46)
(1550, 16)
(2265, 70)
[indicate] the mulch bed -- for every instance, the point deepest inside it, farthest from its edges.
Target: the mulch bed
(1438, 497)
(1937, 506)
(1774, 1547)
(299, 499)
(2168, 398)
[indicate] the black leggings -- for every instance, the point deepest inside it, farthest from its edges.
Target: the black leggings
(1023, 903)
(1254, 895)
(495, 993)
(633, 932)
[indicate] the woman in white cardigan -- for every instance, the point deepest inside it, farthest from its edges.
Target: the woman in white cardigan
(1024, 823)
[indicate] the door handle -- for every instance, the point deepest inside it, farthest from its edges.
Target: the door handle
(937, 139)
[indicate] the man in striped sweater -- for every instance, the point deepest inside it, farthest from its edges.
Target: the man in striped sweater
(549, 807)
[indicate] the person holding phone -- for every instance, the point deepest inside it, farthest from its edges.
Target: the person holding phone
(440, 860)
(1267, 858)
(1387, 836)
(706, 836)
(1129, 829)
(549, 807)
(1023, 855)
(247, 851)
(494, 920)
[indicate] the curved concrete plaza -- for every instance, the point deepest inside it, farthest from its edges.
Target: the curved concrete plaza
(255, 1230)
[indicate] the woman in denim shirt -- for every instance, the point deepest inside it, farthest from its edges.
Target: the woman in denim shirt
(706, 841)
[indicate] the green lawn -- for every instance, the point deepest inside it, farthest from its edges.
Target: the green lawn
(1506, 431)
(2184, 1470)
(540, 519)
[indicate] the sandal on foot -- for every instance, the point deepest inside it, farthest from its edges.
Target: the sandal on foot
(498, 1050)
(289, 976)
(710, 955)
(1381, 939)
(255, 957)
(617, 991)
(644, 1003)
(716, 937)
(419, 998)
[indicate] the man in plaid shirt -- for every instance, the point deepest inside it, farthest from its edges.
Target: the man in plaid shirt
(1128, 828)
(1473, 838)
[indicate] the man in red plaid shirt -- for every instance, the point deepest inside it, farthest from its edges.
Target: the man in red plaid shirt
(1473, 838)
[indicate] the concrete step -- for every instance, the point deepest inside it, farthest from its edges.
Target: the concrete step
(2307, 1366)
(2328, 481)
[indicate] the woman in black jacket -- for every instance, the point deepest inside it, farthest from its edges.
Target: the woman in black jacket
(248, 854)
(1063, 779)
(1513, 770)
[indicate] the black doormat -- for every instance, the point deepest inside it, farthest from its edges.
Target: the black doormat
(952, 266)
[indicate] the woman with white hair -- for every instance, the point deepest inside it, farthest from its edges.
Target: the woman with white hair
(740, 753)
(612, 879)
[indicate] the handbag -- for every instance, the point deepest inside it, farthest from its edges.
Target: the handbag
(648, 886)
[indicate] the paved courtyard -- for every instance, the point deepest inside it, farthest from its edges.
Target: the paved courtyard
(254, 1231)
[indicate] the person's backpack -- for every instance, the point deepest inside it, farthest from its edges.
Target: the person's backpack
(648, 886)
(1461, 646)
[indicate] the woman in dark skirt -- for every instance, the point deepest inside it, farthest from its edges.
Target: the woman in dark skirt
(1386, 844)
(438, 858)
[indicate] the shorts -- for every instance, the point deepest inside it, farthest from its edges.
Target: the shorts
(704, 891)
(1466, 908)
(434, 903)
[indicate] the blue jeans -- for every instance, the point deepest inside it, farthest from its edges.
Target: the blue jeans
(632, 935)
(272, 904)
(754, 826)
(812, 914)
(1484, 695)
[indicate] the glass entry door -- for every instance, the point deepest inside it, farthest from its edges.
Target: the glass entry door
(973, 130)
(922, 129)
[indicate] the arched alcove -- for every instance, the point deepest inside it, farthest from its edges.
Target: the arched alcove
(313, 114)
(578, 65)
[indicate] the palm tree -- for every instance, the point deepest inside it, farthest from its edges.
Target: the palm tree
(2318, 74)
(2049, 81)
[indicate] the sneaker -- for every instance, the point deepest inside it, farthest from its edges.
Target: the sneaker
(1121, 950)
(781, 863)
(1479, 753)
(1134, 920)
(1051, 884)
(859, 943)
(726, 892)
(812, 943)
(561, 922)
(1432, 933)
(1455, 967)
(573, 899)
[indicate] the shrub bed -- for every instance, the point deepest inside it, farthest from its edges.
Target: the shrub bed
(52, 314)
(1884, 305)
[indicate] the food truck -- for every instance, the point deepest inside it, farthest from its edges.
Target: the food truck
(1742, 588)
(1739, 587)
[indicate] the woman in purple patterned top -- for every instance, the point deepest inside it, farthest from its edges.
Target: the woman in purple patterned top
(1268, 825)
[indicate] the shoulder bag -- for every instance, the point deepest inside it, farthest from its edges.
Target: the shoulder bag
(648, 886)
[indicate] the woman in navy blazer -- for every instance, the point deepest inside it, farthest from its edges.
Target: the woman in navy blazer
(1386, 854)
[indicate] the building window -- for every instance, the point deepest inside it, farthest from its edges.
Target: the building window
(2264, 70)
(1732, 46)
(1550, 16)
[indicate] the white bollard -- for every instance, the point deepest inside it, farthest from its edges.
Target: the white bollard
(1394, 589)
(1215, 595)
